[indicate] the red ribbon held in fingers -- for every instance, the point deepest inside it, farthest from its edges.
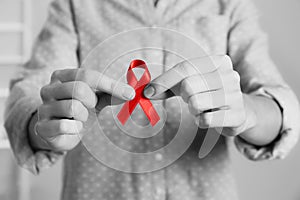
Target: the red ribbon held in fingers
(139, 98)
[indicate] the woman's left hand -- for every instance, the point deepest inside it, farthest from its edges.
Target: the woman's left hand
(211, 88)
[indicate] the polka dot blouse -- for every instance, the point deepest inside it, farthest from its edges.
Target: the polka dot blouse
(75, 27)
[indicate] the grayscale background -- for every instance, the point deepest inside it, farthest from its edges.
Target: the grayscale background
(275, 180)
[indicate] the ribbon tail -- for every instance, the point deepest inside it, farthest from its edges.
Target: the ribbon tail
(149, 110)
(126, 111)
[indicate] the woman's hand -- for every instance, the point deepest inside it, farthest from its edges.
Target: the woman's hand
(211, 88)
(66, 101)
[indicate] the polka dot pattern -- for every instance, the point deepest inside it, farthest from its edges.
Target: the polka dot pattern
(187, 178)
(75, 27)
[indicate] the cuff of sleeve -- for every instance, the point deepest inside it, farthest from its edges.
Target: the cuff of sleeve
(16, 124)
(289, 133)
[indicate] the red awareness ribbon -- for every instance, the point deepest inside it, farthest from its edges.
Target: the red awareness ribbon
(139, 98)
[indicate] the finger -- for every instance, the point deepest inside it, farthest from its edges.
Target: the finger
(70, 90)
(223, 62)
(179, 72)
(63, 142)
(213, 100)
(96, 81)
(219, 118)
(200, 84)
(53, 128)
(61, 135)
(107, 100)
(70, 109)
(228, 81)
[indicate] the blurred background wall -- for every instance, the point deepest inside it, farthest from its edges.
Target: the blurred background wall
(277, 179)
(274, 180)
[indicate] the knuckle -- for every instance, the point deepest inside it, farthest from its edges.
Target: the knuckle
(79, 126)
(66, 142)
(62, 126)
(83, 75)
(184, 68)
(186, 86)
(42, 112)
(184, 91)
(44, 92)
(206, 83)
(75, 107)
(85, 115)
(80, 90)
(183, 86)
(67, 108)
(236, 76)
(225, 64)
(79, 111)
(204, 120)
(59, 143)
(112, 85)
(181, 66)
(233, 83)
(191, 109)
(194, 106)
(55, 74)
(228, 61)
(84, 94)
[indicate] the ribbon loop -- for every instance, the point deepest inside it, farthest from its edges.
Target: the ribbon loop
(139, 98)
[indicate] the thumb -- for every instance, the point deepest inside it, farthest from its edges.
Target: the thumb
(105, 99)
(155, 92)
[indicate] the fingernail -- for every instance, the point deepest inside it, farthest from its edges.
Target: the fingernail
(149, 91)
(128, 93)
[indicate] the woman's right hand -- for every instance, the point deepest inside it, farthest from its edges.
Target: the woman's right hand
(66, 100)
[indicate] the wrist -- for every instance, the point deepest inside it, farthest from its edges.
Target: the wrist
(250, 113)
(264, 120)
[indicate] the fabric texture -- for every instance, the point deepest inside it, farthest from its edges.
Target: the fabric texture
(75, 27)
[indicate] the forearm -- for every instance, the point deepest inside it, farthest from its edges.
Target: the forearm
(266, 118)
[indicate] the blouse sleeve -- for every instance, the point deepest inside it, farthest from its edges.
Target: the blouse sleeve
(248, 48)
(54, 49)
